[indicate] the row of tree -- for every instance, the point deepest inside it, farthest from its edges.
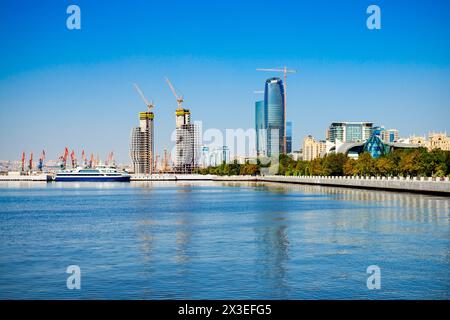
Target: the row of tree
(407, 162)
(233, 169)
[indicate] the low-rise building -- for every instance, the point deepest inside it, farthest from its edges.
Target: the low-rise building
(438, 141)
(312, 148)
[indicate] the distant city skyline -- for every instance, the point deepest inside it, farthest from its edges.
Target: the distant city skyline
(74, 88)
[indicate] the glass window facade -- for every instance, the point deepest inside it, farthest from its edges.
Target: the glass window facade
(350, 131)
(260, 127)
(274, 113)
(288, 136)
(375, 146)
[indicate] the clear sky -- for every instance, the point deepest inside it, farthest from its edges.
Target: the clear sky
(61, 87)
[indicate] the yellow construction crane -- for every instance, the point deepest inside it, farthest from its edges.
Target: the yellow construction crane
(285, 71)
(179, 98)
(149, 105)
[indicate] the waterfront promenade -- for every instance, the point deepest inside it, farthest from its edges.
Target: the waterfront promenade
(419, 185)
(427, 185)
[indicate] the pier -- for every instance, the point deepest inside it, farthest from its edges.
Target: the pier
(38, 177)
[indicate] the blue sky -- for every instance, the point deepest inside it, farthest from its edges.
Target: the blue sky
(74, 88)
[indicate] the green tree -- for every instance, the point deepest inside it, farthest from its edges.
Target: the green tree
(365, 165)
(385, 166)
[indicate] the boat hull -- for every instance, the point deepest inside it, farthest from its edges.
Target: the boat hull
(96, 179)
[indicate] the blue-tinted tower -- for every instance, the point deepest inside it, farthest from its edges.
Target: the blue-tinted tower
(260, 127)
(288, 136)
(274, 113)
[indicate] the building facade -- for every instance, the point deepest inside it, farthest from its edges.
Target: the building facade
(390, 135)
(312, 148)
(274, 114)
(185, 143)
(438, 141)
(142, 144)
(288, 136)
(261, 129)
(349, 131)
(418, 140)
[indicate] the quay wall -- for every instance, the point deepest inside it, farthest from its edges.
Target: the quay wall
(420, 185)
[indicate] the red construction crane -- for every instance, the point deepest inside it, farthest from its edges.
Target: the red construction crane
(30, 165)
(73, 159)
(91, 161)
(83, 157)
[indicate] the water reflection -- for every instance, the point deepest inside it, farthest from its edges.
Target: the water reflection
(425, 208)
(272, 254)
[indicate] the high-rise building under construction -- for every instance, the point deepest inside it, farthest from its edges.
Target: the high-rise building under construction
(186, 142)
(142, 144)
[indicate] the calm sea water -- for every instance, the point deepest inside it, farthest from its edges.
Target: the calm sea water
(220, 241)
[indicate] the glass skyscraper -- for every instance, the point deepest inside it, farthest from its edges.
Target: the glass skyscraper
(260, 127)
(288, 136)
(274, 114)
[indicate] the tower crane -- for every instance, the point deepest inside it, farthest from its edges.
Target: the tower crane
(179, 98)
(149, 105)
(285, 71)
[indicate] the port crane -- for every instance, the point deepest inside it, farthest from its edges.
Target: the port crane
(150, 105)
(30, 165)
(23, 161)
(285, 71)
(41, 161)
(73, 159)
(91, 161)
(83, 157)
(63, 158)
(110, 160)
(178, 97)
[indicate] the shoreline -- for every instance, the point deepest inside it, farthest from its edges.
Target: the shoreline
(429, 186)
(433, 186)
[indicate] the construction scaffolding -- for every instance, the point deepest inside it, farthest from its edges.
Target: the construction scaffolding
(142, 144)
(186, 148)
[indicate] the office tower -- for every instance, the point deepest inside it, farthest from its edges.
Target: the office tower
(186, 142)
(350, 131)
(274, 115)
(260, 127)
(312, 148)
(288, 136)
(142, 145)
